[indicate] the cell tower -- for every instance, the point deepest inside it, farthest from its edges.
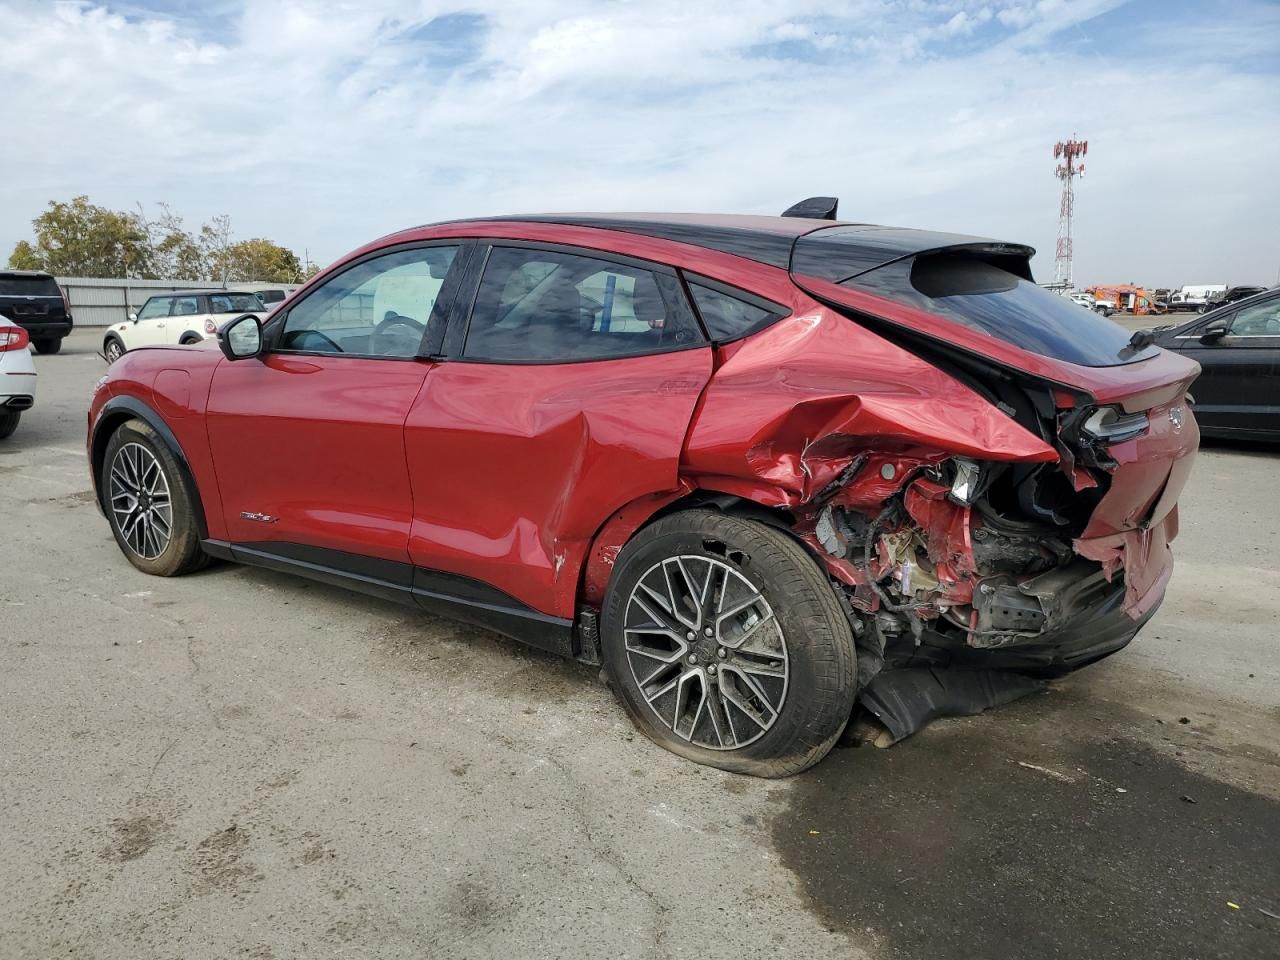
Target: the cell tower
(1067, 154)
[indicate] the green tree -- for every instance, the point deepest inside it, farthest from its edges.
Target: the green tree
(25, 257)
(259, 259)
(80, 239)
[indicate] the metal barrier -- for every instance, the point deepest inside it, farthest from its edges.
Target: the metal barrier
(100, 302)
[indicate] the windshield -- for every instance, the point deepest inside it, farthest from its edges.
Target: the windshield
(981, 296)
(234, 303)
(12, 286)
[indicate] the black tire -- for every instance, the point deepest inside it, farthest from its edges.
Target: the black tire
(189, 339)
(181, 552)
(9, 422)
(113, 348)
(48, 344)
(817, 686)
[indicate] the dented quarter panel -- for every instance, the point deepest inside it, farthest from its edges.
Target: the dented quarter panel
(789, 407)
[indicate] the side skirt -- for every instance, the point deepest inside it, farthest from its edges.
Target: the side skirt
(445, 594)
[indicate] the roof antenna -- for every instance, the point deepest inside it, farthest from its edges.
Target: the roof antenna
(814, 208)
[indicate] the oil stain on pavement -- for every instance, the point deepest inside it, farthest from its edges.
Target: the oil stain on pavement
(1025, 834)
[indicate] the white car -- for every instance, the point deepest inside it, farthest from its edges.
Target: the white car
(17, 375)
(187, 316)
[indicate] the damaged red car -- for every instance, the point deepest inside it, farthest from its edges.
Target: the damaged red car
(769, 472)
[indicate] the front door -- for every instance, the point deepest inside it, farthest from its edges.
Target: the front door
(1239, 388)
(568, 396)
(308, 440)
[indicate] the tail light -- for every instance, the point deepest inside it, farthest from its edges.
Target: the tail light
(1113, 425)
(210, 327)
(13, 338)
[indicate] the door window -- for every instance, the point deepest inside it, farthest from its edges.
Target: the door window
(543, 306)
(185, 306)
(378, 308)
(1259, 320)
(155, 307)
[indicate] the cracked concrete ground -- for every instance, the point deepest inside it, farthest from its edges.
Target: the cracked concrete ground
(241, 764)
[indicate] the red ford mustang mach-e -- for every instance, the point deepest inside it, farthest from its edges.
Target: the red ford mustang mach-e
(764, 469)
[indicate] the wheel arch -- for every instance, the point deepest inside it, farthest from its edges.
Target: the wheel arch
(120, 410)
(622, 527)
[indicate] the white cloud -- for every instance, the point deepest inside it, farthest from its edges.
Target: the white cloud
(324, 124)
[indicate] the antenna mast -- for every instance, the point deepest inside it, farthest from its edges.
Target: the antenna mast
(1068, 154)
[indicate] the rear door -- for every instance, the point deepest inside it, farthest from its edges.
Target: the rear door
(308, 440)
(566, 395)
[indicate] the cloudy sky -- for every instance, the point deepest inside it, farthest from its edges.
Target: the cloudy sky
(324, 123)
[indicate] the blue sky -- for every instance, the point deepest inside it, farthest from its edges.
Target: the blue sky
(322, 124)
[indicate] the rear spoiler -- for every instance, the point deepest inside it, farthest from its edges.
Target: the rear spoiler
(814, 208)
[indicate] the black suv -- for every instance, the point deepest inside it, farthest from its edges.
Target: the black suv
(33, 300)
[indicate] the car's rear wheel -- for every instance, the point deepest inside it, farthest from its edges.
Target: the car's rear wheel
(48, 344)
(9, 422)
(112, 349)
(148, 503)
(727, 645)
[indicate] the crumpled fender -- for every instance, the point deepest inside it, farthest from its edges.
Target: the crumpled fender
(815, 389)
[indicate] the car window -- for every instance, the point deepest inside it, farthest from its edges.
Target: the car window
(19, 286)
(270, 296)
(185, 306)
(155, 307)
(377, 308)
(234, 303)
(546, 306)
(1258, 320)
(983, 296)
(728, 317)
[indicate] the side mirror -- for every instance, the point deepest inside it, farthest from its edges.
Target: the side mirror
(1214, 332)
(133, 316)
(241, 338)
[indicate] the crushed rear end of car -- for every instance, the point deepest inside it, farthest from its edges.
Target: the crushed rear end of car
(992, 485)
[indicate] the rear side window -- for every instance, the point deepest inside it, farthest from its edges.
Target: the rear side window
(234, 303)
(548, 306)
(730, 316)
(12, 286)
(186, 306)
(155, 307)
(984, 297)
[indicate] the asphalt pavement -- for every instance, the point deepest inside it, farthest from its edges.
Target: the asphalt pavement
(242, 764)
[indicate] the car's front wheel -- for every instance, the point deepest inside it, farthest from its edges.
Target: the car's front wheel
(727, 644)
(149, 504)
(112, 349)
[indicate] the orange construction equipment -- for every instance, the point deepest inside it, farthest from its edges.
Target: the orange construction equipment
(1129, 299)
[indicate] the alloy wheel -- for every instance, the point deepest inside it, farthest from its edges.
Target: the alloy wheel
(113, 352)
(140, 503)
(706, 651)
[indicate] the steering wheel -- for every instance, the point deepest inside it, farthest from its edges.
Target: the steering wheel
(298, 341)
(396, 329)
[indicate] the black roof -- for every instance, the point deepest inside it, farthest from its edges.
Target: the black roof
(829, 250)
